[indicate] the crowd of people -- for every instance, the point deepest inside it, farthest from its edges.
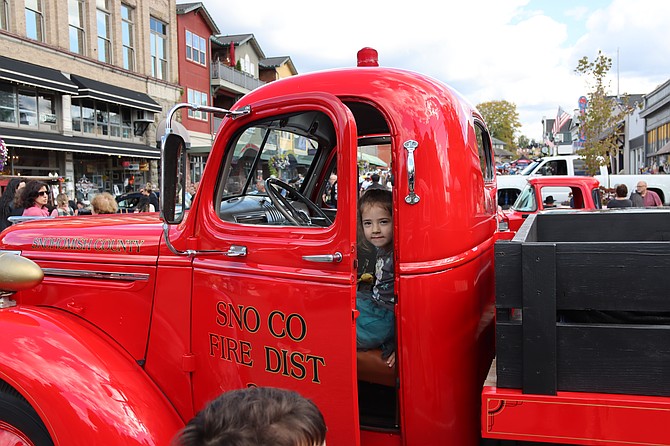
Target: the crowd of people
(640, 198)
(31, 199)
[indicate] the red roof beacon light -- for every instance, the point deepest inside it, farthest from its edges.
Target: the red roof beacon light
(368, 57)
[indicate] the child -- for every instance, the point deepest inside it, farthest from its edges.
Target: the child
(375, 325)
(63, 209)
(256, 416)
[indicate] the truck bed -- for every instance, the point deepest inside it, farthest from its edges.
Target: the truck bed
(582, 330)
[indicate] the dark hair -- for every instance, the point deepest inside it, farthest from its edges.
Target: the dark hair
(375, 178)
(256, 416)
(371, 197)
(7, 199)
(621, 190)
(144, 204)
(30, 192)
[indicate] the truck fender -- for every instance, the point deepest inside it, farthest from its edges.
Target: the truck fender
(86, 389)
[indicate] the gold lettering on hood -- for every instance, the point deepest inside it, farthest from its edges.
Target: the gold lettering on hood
(128, 246)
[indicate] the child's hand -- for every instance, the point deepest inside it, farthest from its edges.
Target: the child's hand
(390, 361)
(366, 278)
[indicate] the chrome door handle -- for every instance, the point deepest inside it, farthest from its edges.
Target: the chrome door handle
(324, 258)
(236, 251)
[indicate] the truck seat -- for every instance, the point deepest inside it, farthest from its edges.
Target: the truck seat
(372, 368)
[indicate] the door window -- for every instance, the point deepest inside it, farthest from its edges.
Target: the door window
(273, 174)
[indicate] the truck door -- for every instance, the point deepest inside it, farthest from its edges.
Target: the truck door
(273, 302)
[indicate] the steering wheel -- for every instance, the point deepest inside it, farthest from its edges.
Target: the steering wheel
(273, 187)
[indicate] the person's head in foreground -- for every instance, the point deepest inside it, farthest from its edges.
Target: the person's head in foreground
(256, 416)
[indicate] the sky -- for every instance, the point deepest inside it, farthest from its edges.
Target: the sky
(521, 51)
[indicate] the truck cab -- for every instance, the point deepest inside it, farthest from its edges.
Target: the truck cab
(255, 285)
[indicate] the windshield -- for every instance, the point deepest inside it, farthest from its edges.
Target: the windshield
(526, 201)
(529, 168)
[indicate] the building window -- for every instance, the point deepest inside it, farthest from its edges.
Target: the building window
(128, 37)
(7, 104)
(198, 98)
(104, 32)
(101, 119)
(76, 19)
(35, 20)
(4, 14)
(158, 49)
(196, 48)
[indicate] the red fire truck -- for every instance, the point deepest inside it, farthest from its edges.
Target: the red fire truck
(120, 328)
(138, 324)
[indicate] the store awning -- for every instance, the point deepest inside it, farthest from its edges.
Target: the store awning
(88, 88)
(38, 76)
(663, 151)
(54, 141)
(373, 160)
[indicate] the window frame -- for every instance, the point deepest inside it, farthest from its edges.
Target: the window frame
(4, 15)
(485, 150)
(159, 65)
(104, 41)
(38, 12)
(191, 49)
(128, 33)
(191, 96)
(78, 28)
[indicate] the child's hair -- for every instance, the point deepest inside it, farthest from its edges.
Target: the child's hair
(381, 197)
(256, 416)
(62, 199)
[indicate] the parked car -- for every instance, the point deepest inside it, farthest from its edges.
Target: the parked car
(564, 192)
(128, 202)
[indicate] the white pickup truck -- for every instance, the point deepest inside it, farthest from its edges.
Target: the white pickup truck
(509, 186)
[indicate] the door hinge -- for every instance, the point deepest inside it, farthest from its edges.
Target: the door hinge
(188, 362)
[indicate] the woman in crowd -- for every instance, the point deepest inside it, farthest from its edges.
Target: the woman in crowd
(8, 202)
(62, 206)
(104, 203)
(144, 205)
(34, 198)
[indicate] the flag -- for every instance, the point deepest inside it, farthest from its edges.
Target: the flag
(562, 117)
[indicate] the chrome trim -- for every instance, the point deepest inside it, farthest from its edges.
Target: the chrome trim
(85, 274)
(236, 251)
(410, 145)
(10, 251)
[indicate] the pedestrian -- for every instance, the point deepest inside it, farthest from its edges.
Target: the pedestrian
(144, 205)
(330, 192)
(8, 202)
(149, 191)
(256, 416)
(375, 184)
(104, 203)
(34, 198)
(642, 197)
(62, 206)
(549, 202)
(621, 199)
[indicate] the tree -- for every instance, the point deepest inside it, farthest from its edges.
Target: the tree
(502, 119)
(523, 142)
(601, 121)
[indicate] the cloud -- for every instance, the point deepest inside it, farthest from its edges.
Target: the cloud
(522, 51)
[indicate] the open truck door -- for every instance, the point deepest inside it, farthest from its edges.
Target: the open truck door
(274, 287)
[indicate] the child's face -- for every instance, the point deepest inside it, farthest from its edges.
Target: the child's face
(377, 225)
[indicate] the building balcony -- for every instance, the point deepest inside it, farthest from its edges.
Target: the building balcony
(232, 80)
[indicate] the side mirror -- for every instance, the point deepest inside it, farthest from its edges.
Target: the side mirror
(173, 178)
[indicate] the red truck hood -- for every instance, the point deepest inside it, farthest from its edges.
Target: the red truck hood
(91, 235)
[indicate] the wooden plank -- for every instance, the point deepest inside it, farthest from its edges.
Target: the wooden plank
(509, 354)
(604, 226)
(620, 359)
(508, 274)
(613, 276)
(539, 318)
